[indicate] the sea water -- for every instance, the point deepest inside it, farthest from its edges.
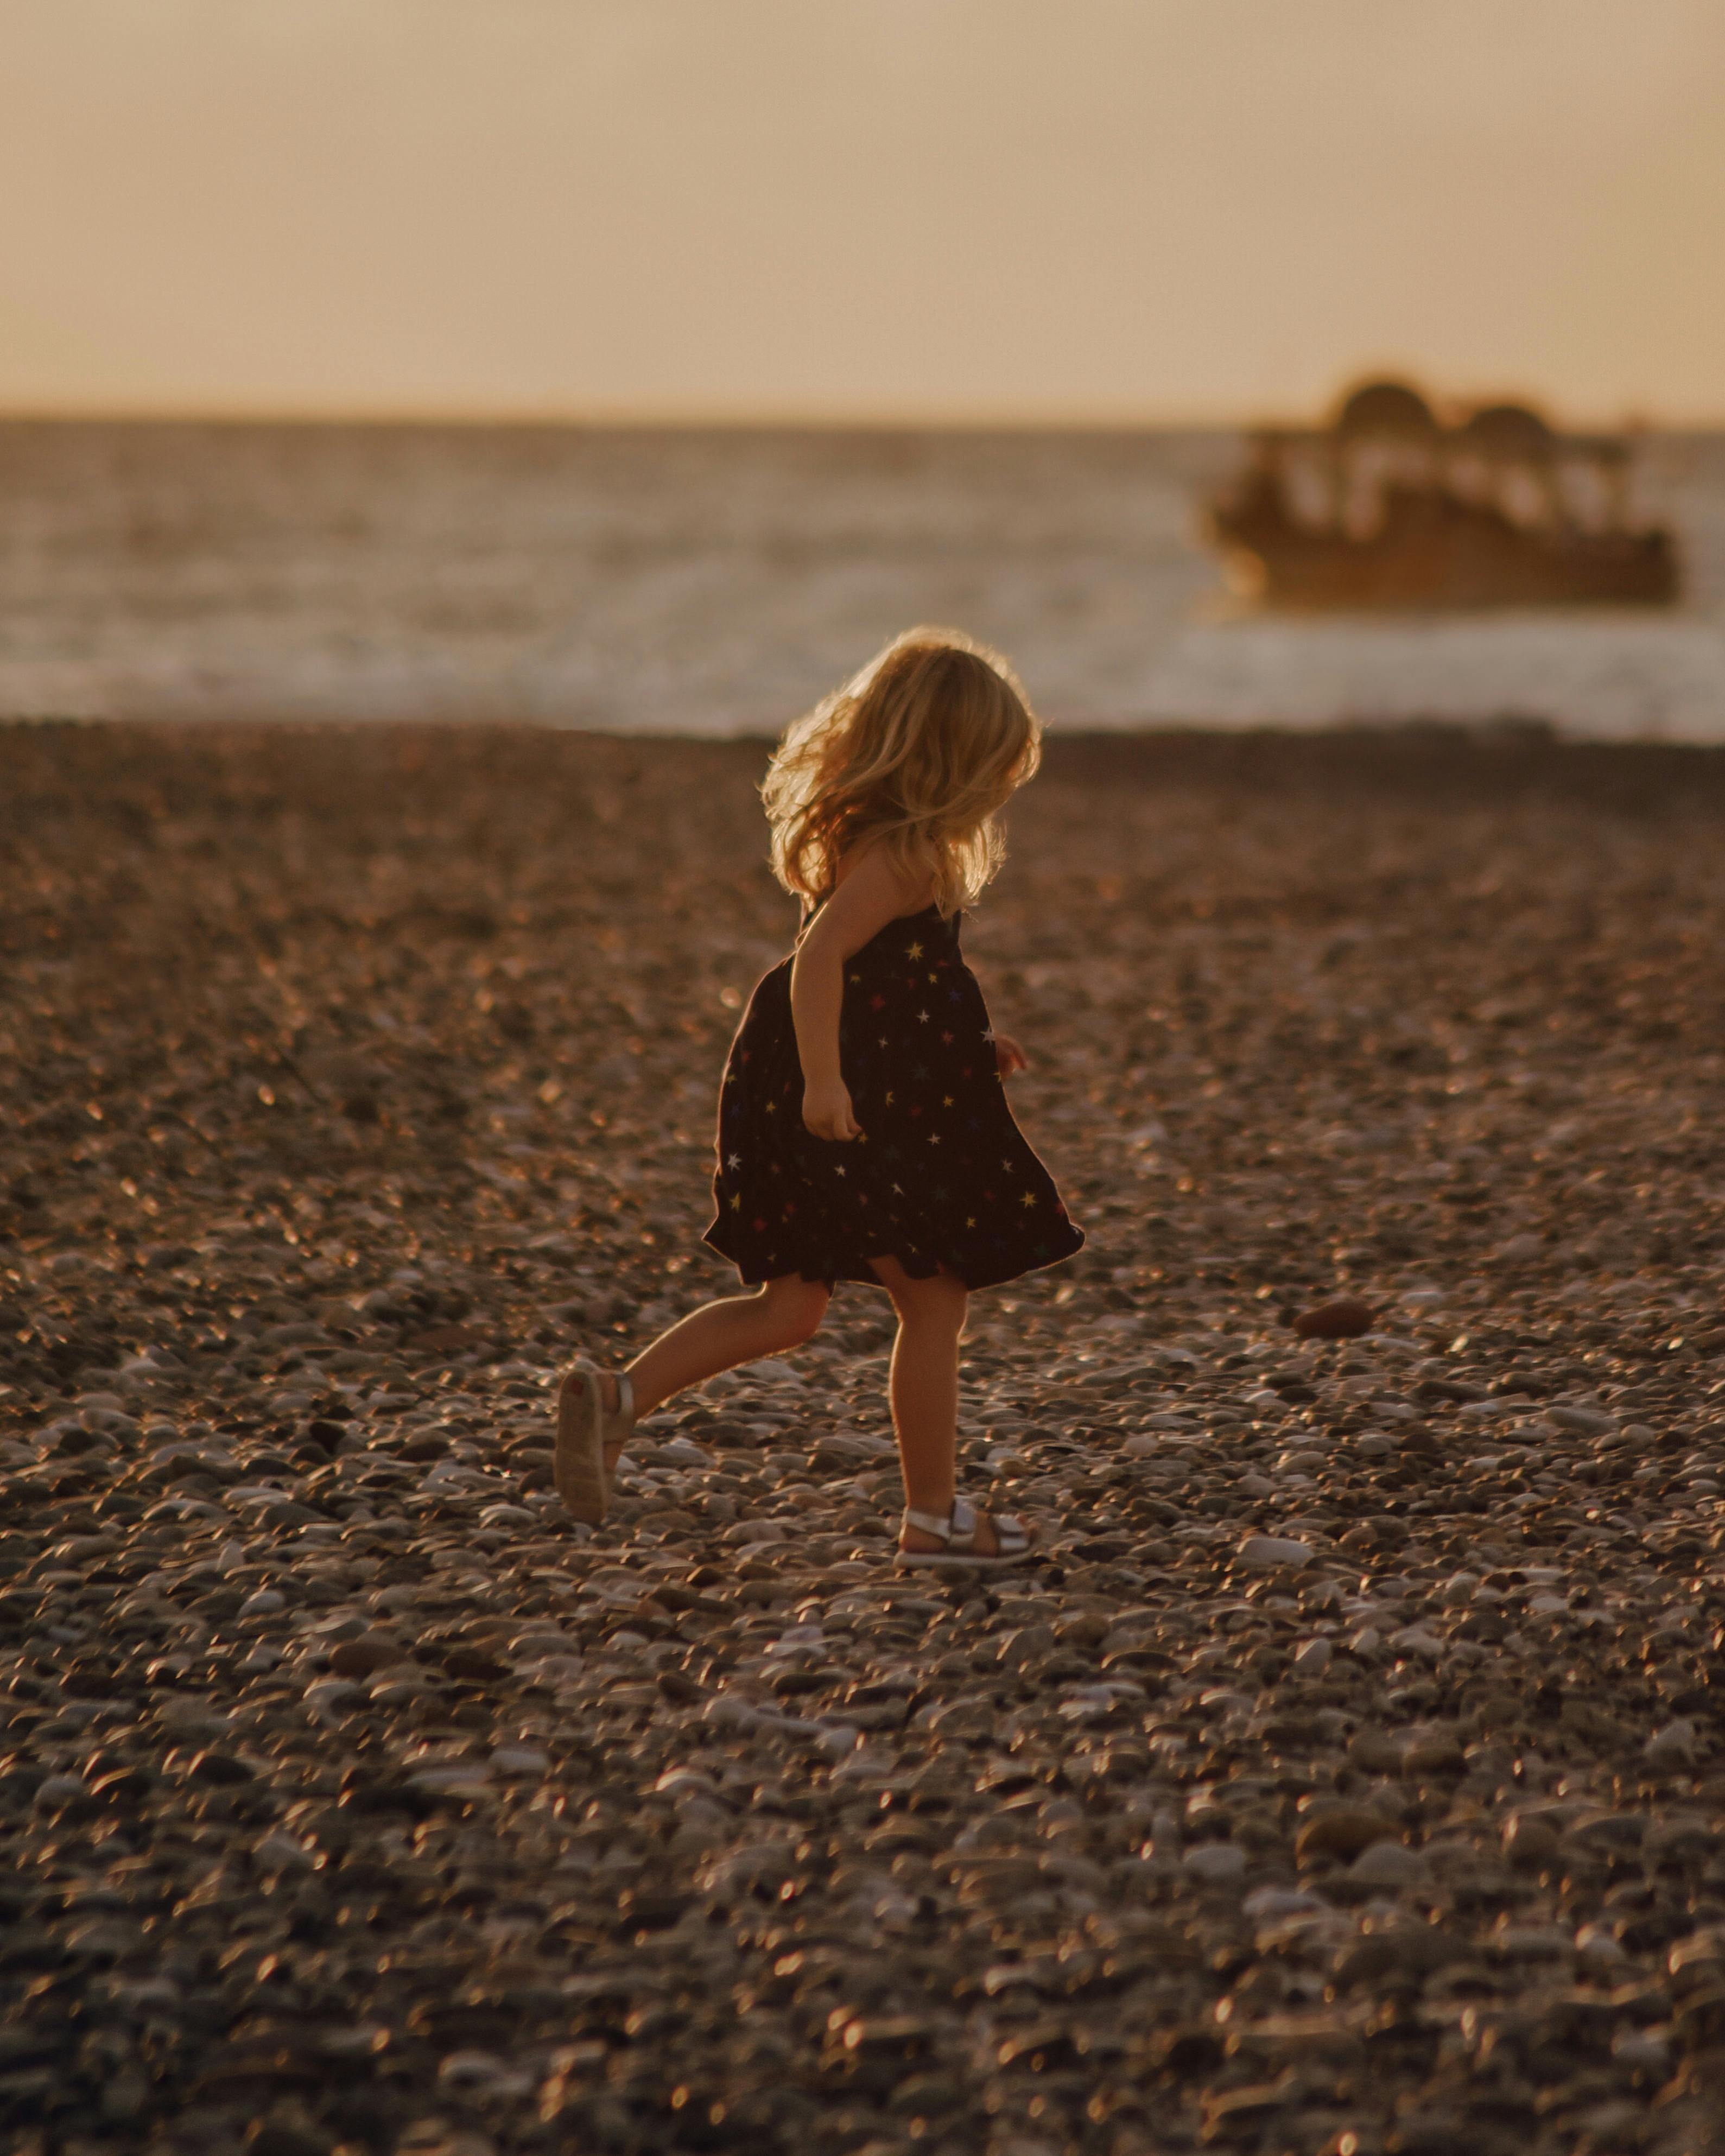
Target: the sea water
(717, 580)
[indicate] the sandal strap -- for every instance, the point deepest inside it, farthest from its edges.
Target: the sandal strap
(957, 1528)
(930, 1523)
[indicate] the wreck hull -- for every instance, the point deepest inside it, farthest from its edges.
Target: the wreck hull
(1464, 564)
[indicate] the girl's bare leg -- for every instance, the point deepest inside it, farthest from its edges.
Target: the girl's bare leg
(924, 1391)
(718, 1337)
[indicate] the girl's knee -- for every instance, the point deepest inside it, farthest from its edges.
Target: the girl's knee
(799, 1305)
(918, 1289)
(942, 1299)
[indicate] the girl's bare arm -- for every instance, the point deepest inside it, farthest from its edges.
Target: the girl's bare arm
(871, 893)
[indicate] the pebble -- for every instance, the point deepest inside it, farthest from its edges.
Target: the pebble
(1216, 1863)
(1369, 1676)
(1387, 1864)
(1335, 1321)
(1340, 1830)
(1585, 1422)
(1264, 1553)
(1530, 1839)
(1672, 1748)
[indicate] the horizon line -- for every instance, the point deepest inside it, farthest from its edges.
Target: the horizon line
(812, 419)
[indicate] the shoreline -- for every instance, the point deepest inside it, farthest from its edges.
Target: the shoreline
(1506, 732)
(1516, 740)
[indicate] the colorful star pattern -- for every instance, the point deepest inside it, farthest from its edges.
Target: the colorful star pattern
(787, 1202)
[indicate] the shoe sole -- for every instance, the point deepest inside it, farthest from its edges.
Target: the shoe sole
(580, 1465)
(942, 1561)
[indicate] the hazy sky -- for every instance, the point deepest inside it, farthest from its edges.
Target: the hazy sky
(945, 209)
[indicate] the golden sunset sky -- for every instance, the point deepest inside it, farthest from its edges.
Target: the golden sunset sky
(942, 210)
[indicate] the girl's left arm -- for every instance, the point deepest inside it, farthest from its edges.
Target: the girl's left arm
(872, 894)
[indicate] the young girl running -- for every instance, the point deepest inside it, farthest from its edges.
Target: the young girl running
(864, 1131)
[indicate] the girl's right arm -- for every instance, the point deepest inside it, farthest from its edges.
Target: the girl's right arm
(872, 893)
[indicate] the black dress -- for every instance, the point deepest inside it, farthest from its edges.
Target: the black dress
(942, 1175)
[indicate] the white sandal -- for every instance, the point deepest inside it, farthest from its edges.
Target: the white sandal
(585, 1426)
(957, 1534)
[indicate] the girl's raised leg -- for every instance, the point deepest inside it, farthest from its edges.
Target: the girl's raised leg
(593, 1423)
(924, 1392)
(742, 1328)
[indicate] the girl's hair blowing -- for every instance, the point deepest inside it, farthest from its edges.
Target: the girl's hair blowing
(920, 752)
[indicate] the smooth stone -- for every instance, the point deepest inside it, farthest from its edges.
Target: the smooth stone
(1581, 1422)
(59, 1789)
(333, 1695)
(1267, 1553)
(1672, 1748)
(519, 1760)
(1528, 1838)
(1388, 1864)
(1215, 1863)
(444, 1781)
(1432, 1752)
(1600, 1948)
(1345, 1320)
(365, 1655)
(1340, 1830)
(1270, 1904)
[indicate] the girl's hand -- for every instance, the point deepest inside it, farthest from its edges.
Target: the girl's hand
(826, 1109)
(1008, 1056)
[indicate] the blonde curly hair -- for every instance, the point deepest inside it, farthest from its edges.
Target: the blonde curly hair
(919, 752)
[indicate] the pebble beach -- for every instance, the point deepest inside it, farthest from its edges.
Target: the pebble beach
(1345, 1778)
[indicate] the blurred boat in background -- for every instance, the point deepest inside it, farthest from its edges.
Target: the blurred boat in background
(1394, 507)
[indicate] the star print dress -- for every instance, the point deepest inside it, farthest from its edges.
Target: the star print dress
(942, 1175)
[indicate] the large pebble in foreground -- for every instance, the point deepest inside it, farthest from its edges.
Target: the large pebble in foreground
(1265, 1552)
(1335, 1321)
